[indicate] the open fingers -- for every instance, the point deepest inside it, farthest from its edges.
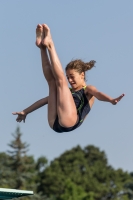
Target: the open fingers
(20, 117)
(15, 113)
(18, 120)
(120, 97)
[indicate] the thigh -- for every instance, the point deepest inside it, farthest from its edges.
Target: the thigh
(52, 103)
(66, 109)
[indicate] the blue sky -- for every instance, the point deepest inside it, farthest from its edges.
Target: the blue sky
(98, 30)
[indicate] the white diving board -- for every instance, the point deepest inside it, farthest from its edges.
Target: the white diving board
(13, 193)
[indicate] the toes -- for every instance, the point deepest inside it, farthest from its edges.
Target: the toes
(45, 27)
(39, 26)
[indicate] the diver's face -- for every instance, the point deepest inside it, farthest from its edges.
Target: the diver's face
(75, 79)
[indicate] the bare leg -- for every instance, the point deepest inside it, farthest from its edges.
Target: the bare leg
(46, 66)
(66, 108)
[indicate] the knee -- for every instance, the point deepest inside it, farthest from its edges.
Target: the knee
(67, 123)
(49, 77)
(61, 81)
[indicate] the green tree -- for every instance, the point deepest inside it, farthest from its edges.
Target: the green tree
(73, 192)
(22, 166)
(128, 188)
(20, 171)
(87, 169)
(5, 171)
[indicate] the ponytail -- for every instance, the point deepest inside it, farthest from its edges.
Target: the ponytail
(89, 65)
(80, 66)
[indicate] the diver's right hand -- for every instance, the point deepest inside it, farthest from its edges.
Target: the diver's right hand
(21, 116)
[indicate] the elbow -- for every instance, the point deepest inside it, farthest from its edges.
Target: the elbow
(98, 96)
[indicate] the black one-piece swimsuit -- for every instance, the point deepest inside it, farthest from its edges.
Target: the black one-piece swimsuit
(83, 108)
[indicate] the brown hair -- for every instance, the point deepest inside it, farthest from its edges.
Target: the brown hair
(80, 66)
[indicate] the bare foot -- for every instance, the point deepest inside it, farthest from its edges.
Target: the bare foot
(39, 35)
(47, 40)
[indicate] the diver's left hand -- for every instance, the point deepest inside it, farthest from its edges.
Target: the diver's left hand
(116, 100)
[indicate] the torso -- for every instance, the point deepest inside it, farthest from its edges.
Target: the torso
(81, 99)
(88, 96)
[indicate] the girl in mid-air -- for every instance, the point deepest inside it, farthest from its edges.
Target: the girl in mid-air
(67, 107)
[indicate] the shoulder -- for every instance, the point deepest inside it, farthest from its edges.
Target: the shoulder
(90, 88)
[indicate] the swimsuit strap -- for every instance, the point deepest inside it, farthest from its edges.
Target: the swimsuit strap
(82, 88)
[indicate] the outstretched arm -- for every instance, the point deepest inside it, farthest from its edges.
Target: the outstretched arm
(103, 97)
(38, 104)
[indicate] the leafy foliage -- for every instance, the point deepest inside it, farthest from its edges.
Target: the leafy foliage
(88, 172)
(78, 174)
(21, 165)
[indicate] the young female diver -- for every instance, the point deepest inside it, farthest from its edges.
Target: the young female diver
(67, 108)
